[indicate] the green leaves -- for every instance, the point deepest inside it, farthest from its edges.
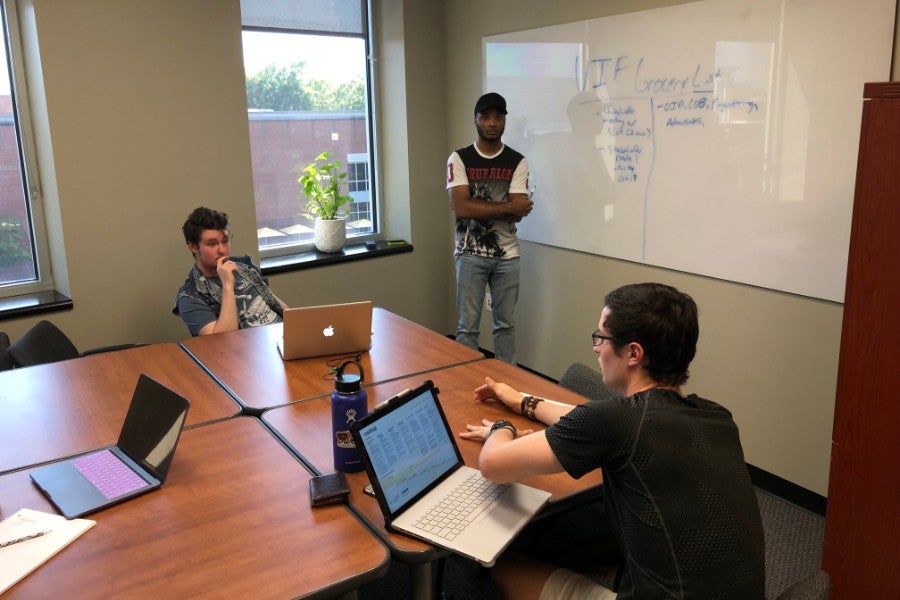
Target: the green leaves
(14, 241)
(283, 89)
(321, 184)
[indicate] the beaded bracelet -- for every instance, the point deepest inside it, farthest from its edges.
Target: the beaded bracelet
(529, 403)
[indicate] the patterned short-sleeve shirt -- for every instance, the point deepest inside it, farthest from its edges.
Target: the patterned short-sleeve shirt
(492, 179)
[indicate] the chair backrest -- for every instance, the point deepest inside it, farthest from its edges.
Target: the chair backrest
(43, 343)
(816, 586)
(585, 381)
(5, 360)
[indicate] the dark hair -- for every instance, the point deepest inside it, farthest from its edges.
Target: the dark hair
(200, 220)
(662, 320)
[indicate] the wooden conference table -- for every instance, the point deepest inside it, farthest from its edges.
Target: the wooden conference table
(233, 520)
(57, 410)
(306, 426)
(247, 362)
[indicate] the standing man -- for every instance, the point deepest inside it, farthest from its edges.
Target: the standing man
(680, 505)
(222, 292)
(488, 187)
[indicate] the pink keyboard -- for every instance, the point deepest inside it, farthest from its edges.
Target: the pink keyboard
(109, 474)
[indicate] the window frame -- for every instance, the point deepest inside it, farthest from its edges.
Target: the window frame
(12, 37)
(301, 248)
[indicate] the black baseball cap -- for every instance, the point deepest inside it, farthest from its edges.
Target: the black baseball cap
(491, 100)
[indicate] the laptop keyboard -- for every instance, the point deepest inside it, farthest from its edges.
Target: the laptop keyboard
(460, 507)
(109, 474)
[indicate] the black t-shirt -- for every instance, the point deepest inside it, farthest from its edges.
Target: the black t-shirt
(677, 490)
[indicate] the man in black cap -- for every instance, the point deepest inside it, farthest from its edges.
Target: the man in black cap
(488, 187)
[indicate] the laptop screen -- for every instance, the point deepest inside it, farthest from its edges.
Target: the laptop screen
(152, 426)
(409, 447)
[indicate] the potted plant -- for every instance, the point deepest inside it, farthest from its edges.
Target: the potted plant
(321, 184)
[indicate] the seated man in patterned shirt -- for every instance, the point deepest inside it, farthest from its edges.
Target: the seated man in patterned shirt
(222, 292)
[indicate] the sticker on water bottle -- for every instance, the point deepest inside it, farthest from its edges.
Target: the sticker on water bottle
(344, 439)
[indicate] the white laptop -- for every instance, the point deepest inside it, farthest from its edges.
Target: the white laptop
(414, 466)
(323, 330)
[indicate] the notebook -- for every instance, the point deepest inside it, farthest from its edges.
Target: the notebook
(29, 538)
(329, 329)
(136, 464)
(415, 467)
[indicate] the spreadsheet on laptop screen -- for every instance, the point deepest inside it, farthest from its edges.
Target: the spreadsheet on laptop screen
(409, 449)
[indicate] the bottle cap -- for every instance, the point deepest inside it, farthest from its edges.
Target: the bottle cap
(347, 383)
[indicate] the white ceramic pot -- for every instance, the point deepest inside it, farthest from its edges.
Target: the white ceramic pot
(331, 235)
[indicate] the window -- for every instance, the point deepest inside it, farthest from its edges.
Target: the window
(24, 262)
(360, 220)
(308, 91)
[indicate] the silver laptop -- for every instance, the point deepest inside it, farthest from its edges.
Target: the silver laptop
(138, 463)
(417, 473)
(328, 329)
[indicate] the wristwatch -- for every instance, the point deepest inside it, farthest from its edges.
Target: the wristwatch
(503, 424)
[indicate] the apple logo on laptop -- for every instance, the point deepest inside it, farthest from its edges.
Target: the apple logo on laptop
(328, 331)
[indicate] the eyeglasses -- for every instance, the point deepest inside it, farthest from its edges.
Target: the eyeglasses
(598, 338)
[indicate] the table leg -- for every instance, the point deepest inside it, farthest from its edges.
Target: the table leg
(421, 581)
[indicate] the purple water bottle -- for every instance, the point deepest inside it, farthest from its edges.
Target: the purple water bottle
(348, 404)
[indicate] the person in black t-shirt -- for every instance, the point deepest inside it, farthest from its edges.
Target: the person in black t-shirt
(680, 508)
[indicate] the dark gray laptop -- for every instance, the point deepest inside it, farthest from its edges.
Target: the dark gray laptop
(138, 463)
(417, 472)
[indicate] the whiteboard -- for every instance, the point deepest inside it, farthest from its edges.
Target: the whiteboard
(717, 137)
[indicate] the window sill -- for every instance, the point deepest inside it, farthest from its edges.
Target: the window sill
(38, 302)
(351, 252)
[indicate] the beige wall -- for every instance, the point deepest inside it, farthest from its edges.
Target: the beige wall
(144, 107)
(770, 357)
(145, 119)
(141, 114)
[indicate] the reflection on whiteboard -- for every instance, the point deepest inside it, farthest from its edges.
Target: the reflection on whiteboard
(716, 137)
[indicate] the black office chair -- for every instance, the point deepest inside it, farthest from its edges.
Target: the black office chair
(5, 360)
(46, 343)
(585, 381)
(816, 586)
